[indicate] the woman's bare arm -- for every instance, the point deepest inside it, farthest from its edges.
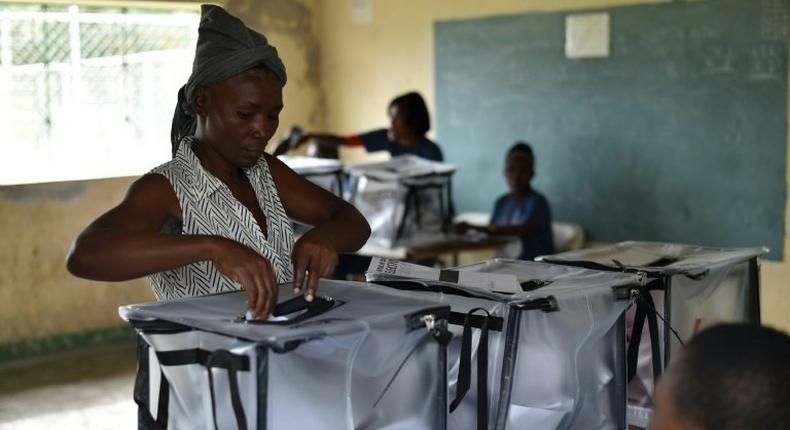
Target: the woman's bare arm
(126, 243)
(338, 226)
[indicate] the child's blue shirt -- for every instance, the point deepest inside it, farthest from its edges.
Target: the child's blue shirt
(510, 209)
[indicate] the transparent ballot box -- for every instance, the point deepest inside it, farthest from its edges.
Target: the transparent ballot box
(551, 337)
(325, 172)
(406, 200)
(358, 356)
(689, 287)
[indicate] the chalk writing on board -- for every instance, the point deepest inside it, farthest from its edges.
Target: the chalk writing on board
(765, 62)
(719, 59)
(775, 19)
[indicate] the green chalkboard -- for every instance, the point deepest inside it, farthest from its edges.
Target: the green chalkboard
(680, 134)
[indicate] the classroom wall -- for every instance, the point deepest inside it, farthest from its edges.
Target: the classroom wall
(364, 65)
(38, 298)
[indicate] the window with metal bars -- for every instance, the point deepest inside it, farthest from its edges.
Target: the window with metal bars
(89, 92)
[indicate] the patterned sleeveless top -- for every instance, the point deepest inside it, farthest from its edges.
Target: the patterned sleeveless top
(209, 208)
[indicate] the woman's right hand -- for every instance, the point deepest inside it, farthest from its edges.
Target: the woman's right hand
(251, 270)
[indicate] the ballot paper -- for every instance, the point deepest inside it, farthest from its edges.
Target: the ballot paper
(248, 316)
(394, 269)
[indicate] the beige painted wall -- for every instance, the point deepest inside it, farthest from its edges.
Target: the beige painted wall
(363, 66)
(38, 298)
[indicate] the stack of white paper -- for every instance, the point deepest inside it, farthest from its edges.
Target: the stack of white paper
(401, 167)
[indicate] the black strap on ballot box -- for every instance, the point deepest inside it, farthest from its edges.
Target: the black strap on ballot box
(485, 323)
(645, 311)
(465, 366)
(645, 306)
(221, 359)
(142, 392)
(299, 310)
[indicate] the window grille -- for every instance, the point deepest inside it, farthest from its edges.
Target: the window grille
(89, 92)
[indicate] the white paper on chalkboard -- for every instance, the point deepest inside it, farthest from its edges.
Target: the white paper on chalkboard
(587, 35)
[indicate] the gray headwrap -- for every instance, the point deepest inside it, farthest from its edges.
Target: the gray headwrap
(225, 48)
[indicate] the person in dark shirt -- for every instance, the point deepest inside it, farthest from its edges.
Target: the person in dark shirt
(523, 212)
(409, 122)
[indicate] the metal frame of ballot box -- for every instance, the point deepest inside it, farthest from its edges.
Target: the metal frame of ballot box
(405, 200)
(362, 357)
(326, 173)
(702, 285)
(553, 354)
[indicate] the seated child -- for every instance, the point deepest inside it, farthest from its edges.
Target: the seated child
(522, 212)
(728, 377)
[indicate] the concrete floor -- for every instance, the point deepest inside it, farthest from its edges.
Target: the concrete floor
(88, 389)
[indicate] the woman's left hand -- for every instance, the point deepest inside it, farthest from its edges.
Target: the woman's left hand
(314, 257)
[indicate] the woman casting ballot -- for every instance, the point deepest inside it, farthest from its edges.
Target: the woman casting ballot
(216, 217)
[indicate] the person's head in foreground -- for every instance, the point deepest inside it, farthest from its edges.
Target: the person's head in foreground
(728, 377)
